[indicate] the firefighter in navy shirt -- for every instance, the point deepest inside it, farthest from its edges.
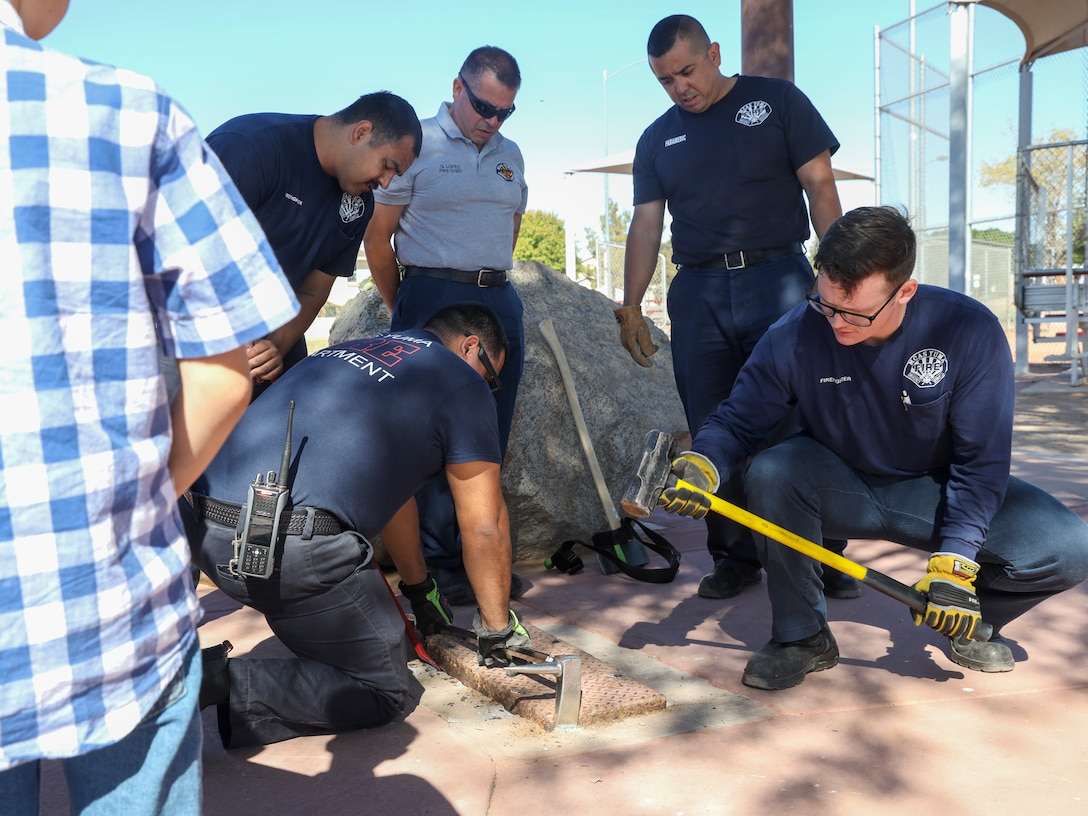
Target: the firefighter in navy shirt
(373, 420)
(904, 393)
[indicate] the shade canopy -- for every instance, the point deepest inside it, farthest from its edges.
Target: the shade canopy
(1049, 26)
(621, 163)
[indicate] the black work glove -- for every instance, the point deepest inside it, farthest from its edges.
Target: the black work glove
(492, 645)
(432, 611)
(952, 607)
(696, 470)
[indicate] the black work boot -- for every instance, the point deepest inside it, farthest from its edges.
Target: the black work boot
(840, 585)
(215, 685)
(993, 655)
(727, 581)
(784, 665)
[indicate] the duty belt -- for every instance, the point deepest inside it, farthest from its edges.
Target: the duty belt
(747, 257)
(483, 278)
(227, 514)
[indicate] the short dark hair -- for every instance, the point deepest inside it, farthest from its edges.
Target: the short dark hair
(489, 59)
(391, 116)
(460, 319)
(676, 27)
(864, 241)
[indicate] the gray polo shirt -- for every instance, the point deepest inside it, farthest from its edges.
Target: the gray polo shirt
(459, 202)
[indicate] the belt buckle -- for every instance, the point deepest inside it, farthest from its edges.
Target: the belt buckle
(742, 263)
(480, 277)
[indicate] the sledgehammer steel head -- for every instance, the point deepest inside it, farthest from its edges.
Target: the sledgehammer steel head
(650, 475)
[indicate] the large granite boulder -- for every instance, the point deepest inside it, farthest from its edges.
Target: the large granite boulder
(546, 479)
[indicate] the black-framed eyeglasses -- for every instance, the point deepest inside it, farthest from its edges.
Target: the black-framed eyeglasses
(485, 109)
(853, 318)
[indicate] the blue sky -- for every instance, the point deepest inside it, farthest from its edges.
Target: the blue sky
(228, 57)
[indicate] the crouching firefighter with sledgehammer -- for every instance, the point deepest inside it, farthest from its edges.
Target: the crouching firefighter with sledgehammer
(904, 393)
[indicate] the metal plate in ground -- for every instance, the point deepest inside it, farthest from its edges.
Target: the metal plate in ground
(607, 695)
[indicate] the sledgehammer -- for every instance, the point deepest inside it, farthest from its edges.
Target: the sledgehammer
(653, 474)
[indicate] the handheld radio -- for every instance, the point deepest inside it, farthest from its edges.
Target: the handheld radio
(267, 500)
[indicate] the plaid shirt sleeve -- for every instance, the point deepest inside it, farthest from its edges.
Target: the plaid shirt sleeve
(122, 237)
(215, 280)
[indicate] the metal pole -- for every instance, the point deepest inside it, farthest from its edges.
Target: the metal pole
(605, 226)
(1023, 208)
(876, 125)
(957, 151)
(604, 119)
(1072, 321)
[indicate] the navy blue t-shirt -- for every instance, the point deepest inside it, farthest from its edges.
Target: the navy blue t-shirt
(729, 174)
(374, 420)
(937, 396)
(310, 222)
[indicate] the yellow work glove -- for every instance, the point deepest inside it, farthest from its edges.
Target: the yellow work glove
(952, 608)
(634, 334)
(698, 471)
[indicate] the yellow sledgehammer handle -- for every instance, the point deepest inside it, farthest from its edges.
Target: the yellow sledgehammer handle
(877, 580)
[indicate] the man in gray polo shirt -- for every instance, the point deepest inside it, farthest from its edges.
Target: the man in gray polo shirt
(444, 232)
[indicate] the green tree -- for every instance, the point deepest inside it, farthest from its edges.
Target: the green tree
(542, 238)
(1048, 183)
(616, 227)
(613, 228)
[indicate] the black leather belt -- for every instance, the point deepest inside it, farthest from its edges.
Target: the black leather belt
(747, 257)
(481, 277)
(227, 513)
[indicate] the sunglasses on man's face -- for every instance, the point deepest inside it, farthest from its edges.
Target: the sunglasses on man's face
(492, 378)
(485, 109)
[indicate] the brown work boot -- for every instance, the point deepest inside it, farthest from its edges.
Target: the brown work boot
(784, 665)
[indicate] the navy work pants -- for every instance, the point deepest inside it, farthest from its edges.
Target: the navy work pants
(417, 299)
(718, 316)
(1035, 548)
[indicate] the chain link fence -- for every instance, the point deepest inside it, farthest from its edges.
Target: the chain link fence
(609, 282)
(913, 70)
(1052, 278)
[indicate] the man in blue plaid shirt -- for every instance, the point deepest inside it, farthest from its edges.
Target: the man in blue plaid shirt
(121, 235)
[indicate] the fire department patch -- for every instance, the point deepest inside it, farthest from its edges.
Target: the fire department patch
(505, 170)
(926, 368)
(753, 113)
(351, 208)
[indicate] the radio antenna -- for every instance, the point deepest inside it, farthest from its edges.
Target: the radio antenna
(285, 463)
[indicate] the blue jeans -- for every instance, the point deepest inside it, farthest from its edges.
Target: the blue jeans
(718, 316)
(1035, 548)
(153, 770)
(417, 299)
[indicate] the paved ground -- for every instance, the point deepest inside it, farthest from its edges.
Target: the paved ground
(1051, 415)
(895, 728)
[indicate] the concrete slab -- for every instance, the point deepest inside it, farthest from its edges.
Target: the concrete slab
(896, 728)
